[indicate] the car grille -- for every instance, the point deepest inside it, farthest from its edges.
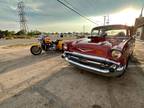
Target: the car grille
(96, 63)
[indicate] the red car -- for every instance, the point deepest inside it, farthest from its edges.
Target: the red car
(106, 52)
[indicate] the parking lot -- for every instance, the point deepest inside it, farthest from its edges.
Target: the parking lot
(47, 81)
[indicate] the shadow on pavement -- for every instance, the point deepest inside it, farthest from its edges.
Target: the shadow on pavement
(25, 61)
(71, 86)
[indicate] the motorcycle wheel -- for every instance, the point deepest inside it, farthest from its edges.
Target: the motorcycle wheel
(36, 50)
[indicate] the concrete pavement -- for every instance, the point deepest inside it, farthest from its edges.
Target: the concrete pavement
(46, 81)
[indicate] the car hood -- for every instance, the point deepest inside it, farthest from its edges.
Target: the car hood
(101, 49)
(85, 46)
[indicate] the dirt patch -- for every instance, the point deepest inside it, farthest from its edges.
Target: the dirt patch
(17, 46)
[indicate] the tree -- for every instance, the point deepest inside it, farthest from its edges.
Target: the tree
(34, 33)
(21, 32)
(7, 33)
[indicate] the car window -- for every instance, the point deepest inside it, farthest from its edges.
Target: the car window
(95, 33)
(110, 33)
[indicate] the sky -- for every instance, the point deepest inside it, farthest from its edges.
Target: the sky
(51, 16)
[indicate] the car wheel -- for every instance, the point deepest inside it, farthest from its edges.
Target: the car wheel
(132, 58)
(125, 69)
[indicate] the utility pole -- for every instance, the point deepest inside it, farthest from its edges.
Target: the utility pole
(83, 29)
(141, 14)
(104, 20)
(22, 18)
(108, 21)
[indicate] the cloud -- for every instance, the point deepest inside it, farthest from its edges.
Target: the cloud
(10, 25)
(35, 7)
(50, 13)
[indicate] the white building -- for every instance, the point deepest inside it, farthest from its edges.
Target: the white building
(139, 25)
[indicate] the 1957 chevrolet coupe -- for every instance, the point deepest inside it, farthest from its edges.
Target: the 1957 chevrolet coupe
(106, 52)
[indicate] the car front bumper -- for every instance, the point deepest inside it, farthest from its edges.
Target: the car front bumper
(94, 64)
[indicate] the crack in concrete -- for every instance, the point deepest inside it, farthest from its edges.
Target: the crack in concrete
(113, 101)
(1, 87)
(54, 101)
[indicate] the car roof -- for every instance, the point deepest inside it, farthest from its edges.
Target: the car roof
(108, 27)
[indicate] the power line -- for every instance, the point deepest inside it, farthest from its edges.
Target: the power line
(77, 9)
(67, 2)
(71, 5)
(74, 10)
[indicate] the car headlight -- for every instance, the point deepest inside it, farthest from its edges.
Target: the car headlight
(116, 54)
(65, 47)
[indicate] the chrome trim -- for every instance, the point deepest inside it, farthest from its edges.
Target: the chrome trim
(92, 68)
(87, 67)
(92, 57)
(121, 68)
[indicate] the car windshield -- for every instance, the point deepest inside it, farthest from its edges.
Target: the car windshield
(109, 33)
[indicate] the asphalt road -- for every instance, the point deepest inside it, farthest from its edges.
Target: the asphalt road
(47, 81)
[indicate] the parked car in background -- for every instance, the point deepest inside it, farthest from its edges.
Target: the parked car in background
(106, 52)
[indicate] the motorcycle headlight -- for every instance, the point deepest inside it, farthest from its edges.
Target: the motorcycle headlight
(65, 47)
(116, 54)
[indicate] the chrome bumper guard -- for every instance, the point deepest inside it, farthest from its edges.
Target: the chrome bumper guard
(112, 68)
